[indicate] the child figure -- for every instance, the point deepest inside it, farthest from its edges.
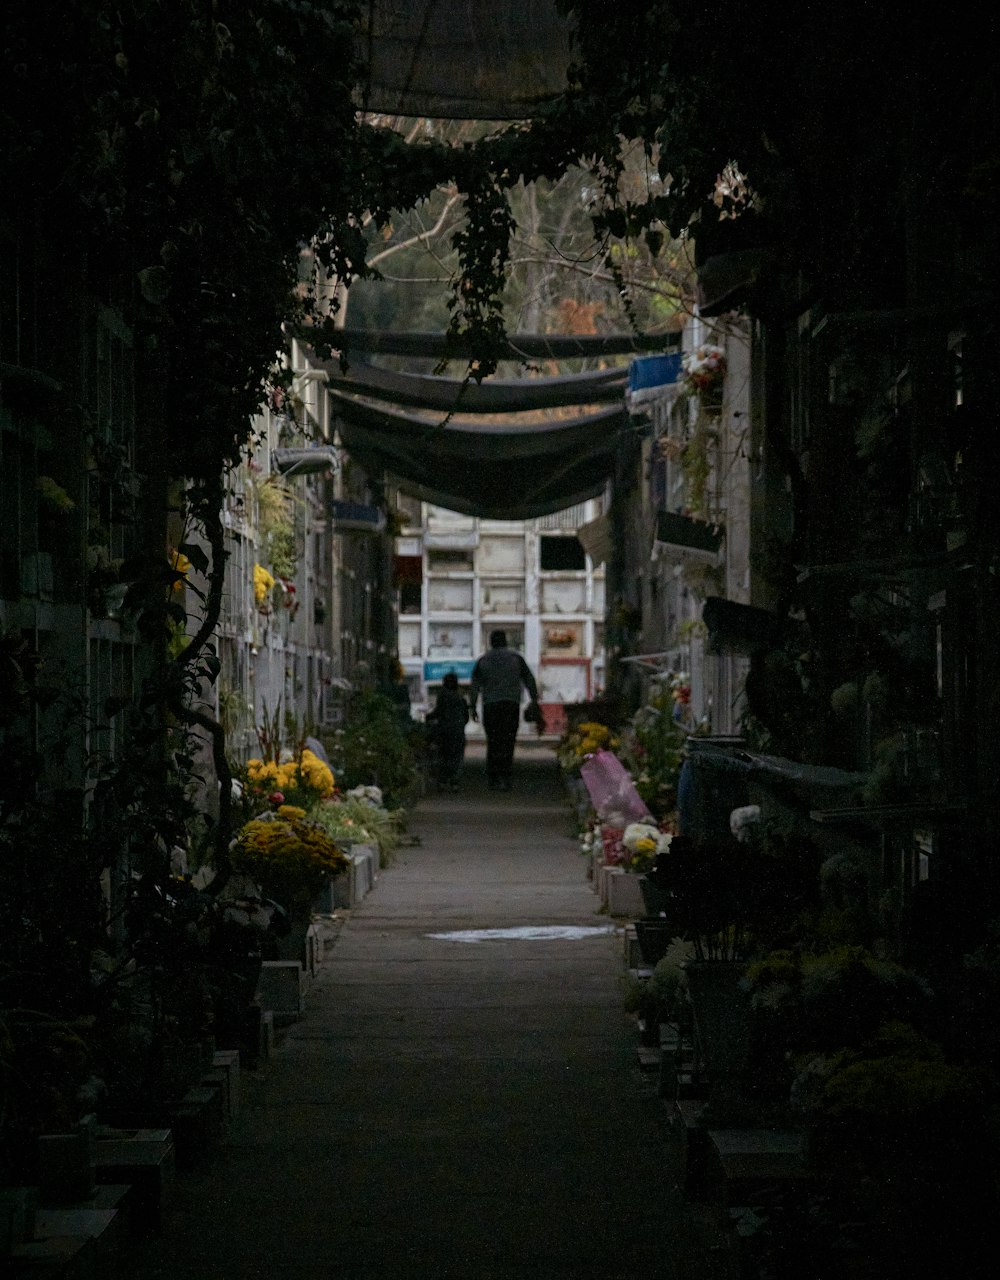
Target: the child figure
(450, 716)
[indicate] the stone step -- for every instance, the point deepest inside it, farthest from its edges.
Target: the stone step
(144, 1160)
(57, 1258)
(228, 1060)
(106, 1228)
(624, 893)
(281, 990)
(744, 1161)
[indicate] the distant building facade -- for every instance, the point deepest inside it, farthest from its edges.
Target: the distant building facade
(459, 578)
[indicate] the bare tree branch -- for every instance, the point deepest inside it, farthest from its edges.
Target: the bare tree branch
(422, 237)
(671, 274)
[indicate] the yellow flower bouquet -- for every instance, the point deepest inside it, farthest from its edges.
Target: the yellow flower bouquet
(288, 856)
(263, 581)
(305, 781)
(583, 741)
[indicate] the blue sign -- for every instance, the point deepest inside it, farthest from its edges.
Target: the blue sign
(654, 371)
(462, 667)
(361, 517)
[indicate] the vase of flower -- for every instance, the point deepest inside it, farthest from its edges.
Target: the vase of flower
(721, 1010)
(721, 1016)
(292, 858)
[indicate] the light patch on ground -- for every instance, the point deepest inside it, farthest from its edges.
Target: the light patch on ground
(525, 933)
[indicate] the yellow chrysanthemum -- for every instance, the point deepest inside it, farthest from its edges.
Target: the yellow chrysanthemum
(317, 774)
(290, 855)
(180, 564)
(263, 581)
(309, 772)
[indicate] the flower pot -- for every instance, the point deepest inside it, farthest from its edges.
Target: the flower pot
(654, 937)
(721, 1010)
(654, 899)
(624, 892)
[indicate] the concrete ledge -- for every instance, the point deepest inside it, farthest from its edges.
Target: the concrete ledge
(353, 884)
(144, 1160)
(630, 945)
(57, 1258)
(197, 1123)
(350, 887)
(105, 1227)
(624, 893)
(312, 951)
(266, 1035)
(228, 1061)
(742, 1161)
(281, 989)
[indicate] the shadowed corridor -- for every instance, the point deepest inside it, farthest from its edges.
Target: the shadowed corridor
(453, 1109)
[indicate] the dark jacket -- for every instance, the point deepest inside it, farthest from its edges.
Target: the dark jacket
(451, 712)
(499, 676)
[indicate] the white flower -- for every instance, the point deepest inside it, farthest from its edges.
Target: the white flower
(367, 795)
(663, 842)
(638, 831)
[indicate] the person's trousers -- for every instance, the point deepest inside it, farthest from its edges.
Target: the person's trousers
(451, 752)
(500, 721)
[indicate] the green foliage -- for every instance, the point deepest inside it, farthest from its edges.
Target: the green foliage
(374, 748)
(652, 747)
(667, 978)
(349, 818)
(833, 999)
(276, 521)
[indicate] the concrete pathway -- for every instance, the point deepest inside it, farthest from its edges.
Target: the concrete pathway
(450, 1108)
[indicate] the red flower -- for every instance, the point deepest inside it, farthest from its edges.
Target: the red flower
(276, 797)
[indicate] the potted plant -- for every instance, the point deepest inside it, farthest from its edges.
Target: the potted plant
(901, 1140)
(289, 857)
(634, 854)
(652, 747)
(730, 899)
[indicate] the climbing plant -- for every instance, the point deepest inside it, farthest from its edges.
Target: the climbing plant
(187, 151)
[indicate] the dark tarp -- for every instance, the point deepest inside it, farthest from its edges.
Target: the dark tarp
(497, 471)
(546, 499)
(724, 772)
(476, 440)
(521, 346)
(495, 395)
(503, 470)
(460, 60)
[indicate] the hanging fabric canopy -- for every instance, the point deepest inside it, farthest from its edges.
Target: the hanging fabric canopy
(495, 395)
(494, 470)
(520, 346)
(461, 61)
(499, 467)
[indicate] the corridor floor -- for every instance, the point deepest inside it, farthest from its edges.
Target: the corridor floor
(453, 1108)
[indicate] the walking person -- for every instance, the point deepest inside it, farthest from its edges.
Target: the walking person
(449, 717)
(498, 677)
